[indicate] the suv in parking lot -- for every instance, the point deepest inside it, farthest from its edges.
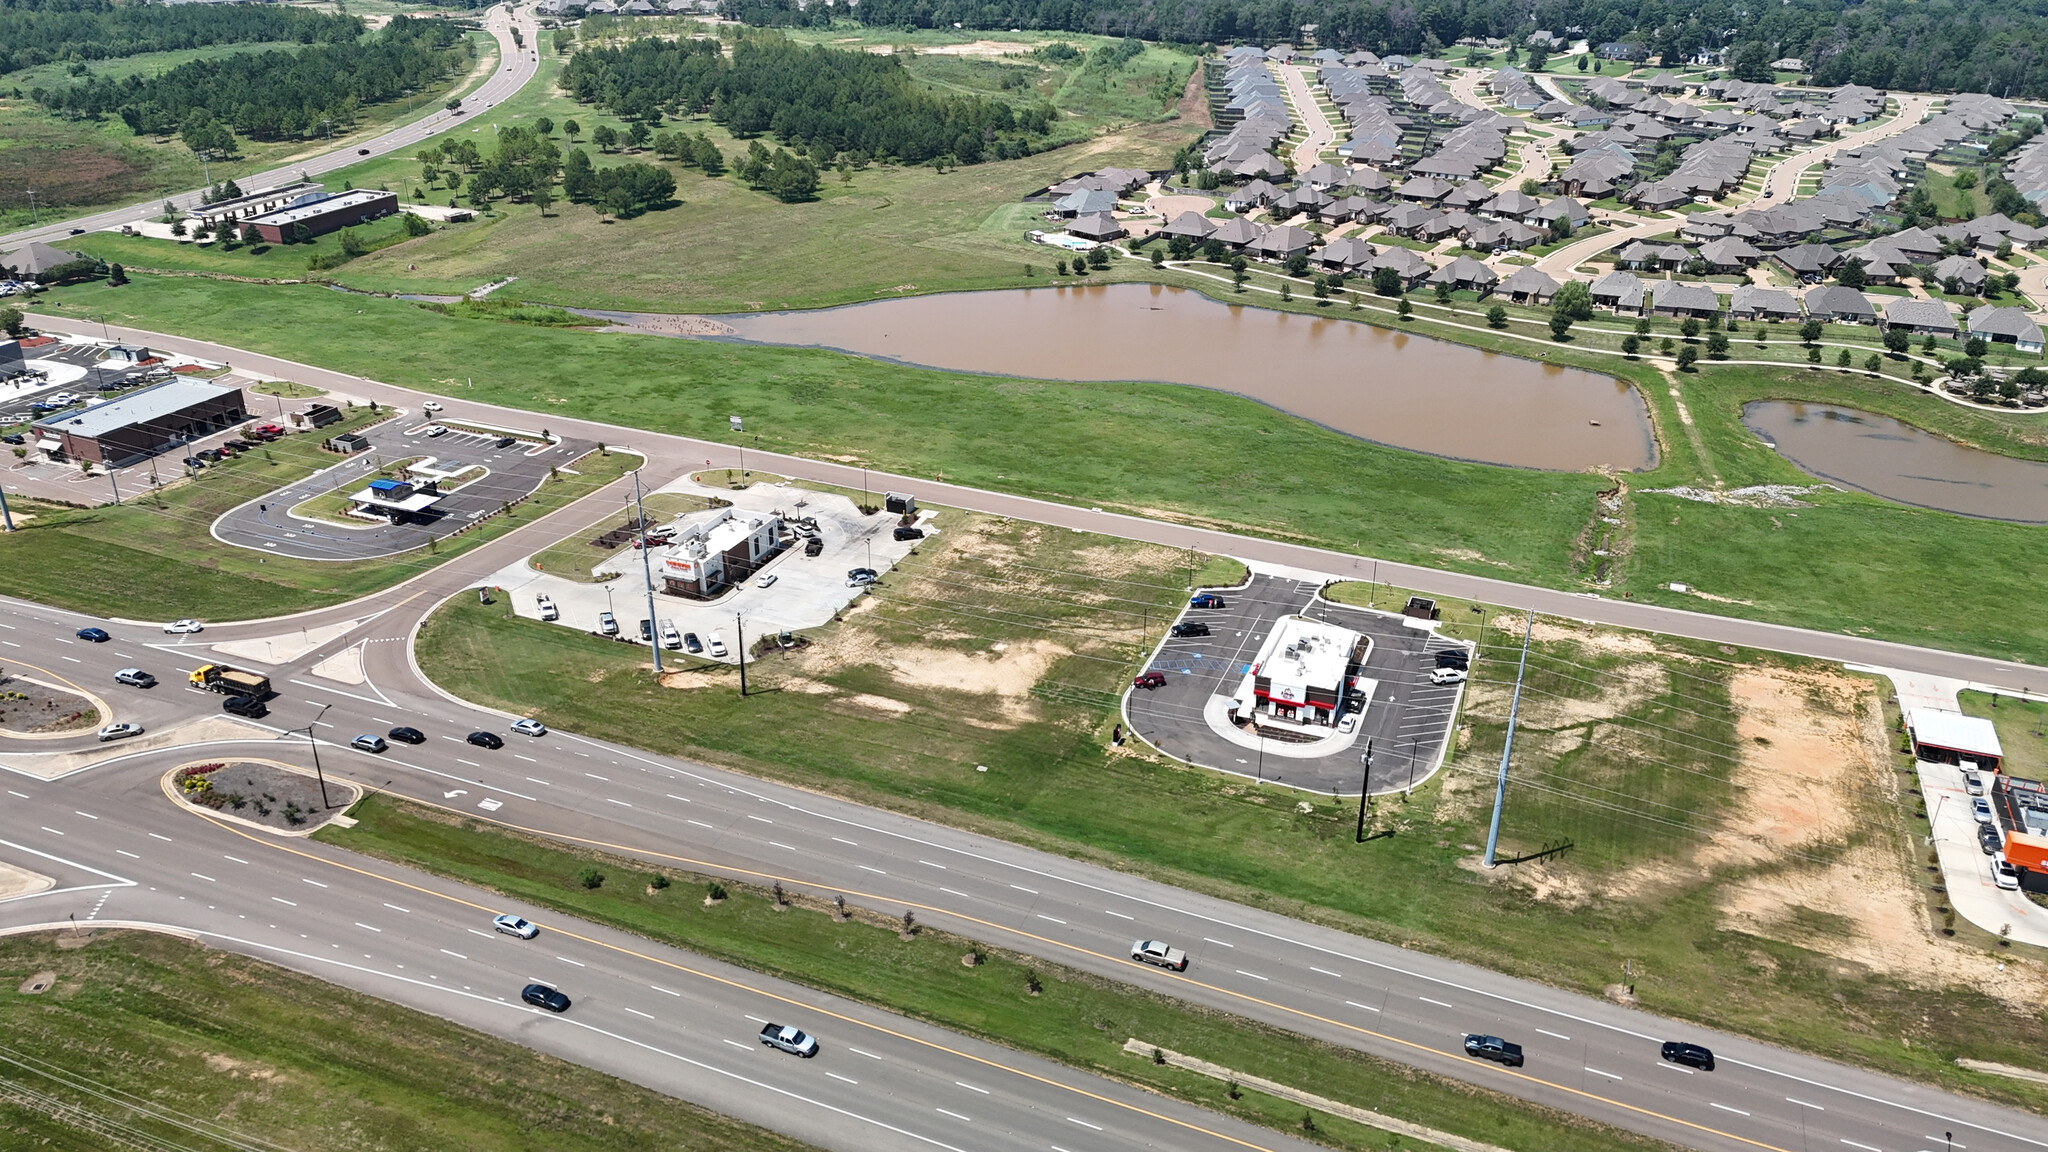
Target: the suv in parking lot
(1446, 675)
(1453, 658)
(1190, 628)
(1149, 680)
(906, 532)
(546, 604)
(1205, 600)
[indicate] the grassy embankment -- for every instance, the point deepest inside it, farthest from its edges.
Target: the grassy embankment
(1632, 755)
(2022, 730)
(81, 166)
(1077, 1019)
(153, 557)
(238, 1048)
(1810, 566)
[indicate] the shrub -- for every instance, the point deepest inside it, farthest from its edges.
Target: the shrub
(590, 878)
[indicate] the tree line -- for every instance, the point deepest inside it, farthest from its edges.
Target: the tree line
(1912, 45)
(826, 103)
(275, 95)
(36, 32)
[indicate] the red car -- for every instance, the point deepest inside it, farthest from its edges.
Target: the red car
(1149, 680)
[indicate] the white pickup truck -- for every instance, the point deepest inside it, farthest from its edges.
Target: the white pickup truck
(1161, 953)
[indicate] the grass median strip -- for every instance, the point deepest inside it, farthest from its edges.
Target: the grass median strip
(1021, 1001)
(236, 1048)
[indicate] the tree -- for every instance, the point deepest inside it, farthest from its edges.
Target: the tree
(1927, 345)
(1686, 356)
(1530, 187)
(1574, 299)
(1443, 292)
(1098, 256)
(543, 125)
(1582, 62)
(605, 137)
(579, 178)
(1630, 344)
(1843, 359)
(1560, 324)
(454, 104)
(639, 133)
(1852, 274)
(1386, 282)
(571, 129)
(1965, 179)
(352, 243)
(1404, 309)
(1975, 347)
(1717, 346)
(11, 320)
(1689, 328)
(1496, 317)
(1873, 364)
(1810, 331)
(1297, 264)
(1538, 57)
(1158, 257)
(1643, 322)
(1896, 341)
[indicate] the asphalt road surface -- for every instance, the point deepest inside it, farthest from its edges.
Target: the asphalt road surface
(122, 853)
(1586, 1056)
(266, 523)
(1404, 726)
(672, 454)
(516, 66)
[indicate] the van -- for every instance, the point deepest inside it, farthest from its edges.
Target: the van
(718, 646)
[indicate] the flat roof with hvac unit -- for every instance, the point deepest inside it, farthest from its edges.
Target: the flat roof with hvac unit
(1954, 736)
(322, 212)
(144, 422)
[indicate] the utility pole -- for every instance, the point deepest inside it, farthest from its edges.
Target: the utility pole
(739, 631)
(1500, 787)
(6, 517)
(1364, 790)
(317, 774)
(116, 483)
(647, 571)
(33, 210)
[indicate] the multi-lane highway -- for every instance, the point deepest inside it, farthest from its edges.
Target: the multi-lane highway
(516, 66)
(681, 1024)
(1586, 1056)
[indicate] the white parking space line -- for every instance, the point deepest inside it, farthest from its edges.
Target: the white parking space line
(23, 795)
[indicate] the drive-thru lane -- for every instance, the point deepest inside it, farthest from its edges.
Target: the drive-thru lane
(1585, 1055)
(658, 1016)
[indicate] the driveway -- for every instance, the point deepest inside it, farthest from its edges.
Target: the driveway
(1321, 134)
(1404, 725)
(1966, 870)
(267, 524)
(1783, 181)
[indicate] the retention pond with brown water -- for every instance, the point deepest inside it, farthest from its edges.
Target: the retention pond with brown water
(1385, 386)
(1896, 461)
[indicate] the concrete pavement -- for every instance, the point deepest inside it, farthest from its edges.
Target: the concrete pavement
(1321, 134)
(516, 66)
(1782, 183)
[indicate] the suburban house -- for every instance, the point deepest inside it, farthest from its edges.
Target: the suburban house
(1680, 300)
(1083, 202)
(1347, 254)
(1749, 302)
(1278, 244)
(1841, 305)
(1809, 262)
(1188, 225)
(1621, 291)
(1730, 254)
(1097, 226)
(1235, 232)
(1967, 273)
(1919, 316)
(2006, 326)
(1466, 274)
(1527, 286)
(1407, 263)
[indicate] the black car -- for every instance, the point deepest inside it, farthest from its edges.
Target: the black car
(1454, 658)
(1690, 1055)
(1494, 1048)
(815, 546)
(193, 462)
(407, 735)
(647, 630)
(96, 635)
(542, 996)
(489, 740)
(1989, 840)
(13, 438)
(691, 644)
(506, 441)
(1191, 628)
(908, 533)
(245, 706)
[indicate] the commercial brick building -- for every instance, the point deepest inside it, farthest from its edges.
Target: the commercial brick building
(322, 212)
(143, 423)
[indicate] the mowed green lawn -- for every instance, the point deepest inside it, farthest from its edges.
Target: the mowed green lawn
(1850, 563)
(296, 1063)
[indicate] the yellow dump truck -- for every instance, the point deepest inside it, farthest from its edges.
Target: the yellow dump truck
(232, 681)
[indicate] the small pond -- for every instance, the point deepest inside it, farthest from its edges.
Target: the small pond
(1373, 383)
(1894, 460)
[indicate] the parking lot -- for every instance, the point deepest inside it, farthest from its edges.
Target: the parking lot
(512, 472)
(807, 591)
(1404, 726)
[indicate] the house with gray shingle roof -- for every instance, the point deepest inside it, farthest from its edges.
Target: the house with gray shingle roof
(1964, 271)
(1673, 298)
(1527, 286)
(1918, 316)
(1097, 226)
(1621, 291)
(1467, 274)
(1406, 262)
(1236, 232)
(1749, 302)
(1841, 305)
(1346, 254)
(2006, 326)
(1192, 225)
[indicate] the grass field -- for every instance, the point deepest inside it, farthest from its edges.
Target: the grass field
(1077, 1019)
(2022, 731)
(1237, 464)
(1660, 763)
(154, 557)
(240, 1049)
(78, 166)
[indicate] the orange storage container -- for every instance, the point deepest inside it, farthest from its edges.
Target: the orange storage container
(2025, 851)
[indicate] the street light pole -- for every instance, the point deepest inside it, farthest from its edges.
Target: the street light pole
(647, 571)
(739, 631)
(6, 517)
(317, 773)
(1364, 790)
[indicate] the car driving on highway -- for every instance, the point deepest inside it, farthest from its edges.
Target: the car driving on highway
(512, 925)
(489, 740)
(542, 996)
(529, 727)
(794, 1041)
(94, 635)
(1494, 1048)
(119, 732)
(1161, 953)
(184, 627)
(368, 742)
(1690, 1055)
(135, 678)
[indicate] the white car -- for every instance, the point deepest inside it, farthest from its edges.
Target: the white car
(2004, 874)
(434, 430)
(1348, 723)
(1982, 811)
(765, 581)
(512, 925)
(431, 406)
(1447, 676)
(1161, 953)
(529, 727)
(717, 645)
(184, 627)
(119, 732)
(546, 604)
(670, 638)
